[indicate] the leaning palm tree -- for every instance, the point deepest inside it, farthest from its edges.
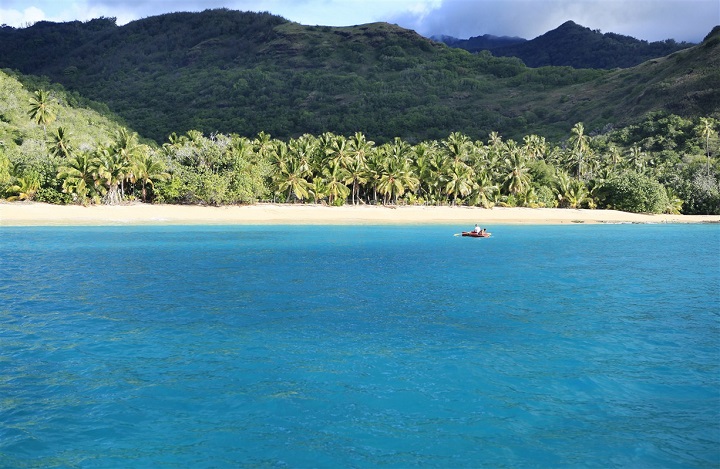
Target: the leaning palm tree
(40, 110)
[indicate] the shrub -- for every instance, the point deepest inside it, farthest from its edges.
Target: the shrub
(52, 196)
(633, 192)
(546, 197)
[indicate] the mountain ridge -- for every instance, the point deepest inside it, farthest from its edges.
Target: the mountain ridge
(573, 45)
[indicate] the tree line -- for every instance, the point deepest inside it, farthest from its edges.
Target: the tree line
(665, 164)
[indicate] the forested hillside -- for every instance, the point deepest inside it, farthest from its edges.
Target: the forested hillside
(245, 73)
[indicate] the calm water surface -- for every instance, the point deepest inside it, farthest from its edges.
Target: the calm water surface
(329, 347)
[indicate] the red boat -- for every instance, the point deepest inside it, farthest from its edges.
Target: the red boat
(475, 234)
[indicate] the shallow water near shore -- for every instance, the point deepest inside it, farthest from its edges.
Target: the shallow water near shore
(340, 346)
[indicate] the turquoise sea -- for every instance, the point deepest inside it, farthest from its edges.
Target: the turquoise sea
(360, 347)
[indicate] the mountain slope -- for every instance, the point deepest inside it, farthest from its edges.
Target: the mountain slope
(25, 142)
(685, 83)
(576, 46)
(244, 73)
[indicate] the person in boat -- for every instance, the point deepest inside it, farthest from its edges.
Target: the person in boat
(483, 232)
(477, 229)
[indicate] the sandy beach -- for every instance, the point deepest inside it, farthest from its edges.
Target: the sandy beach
(39, 214)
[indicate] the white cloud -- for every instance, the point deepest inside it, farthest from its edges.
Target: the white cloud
(645, 19)
(20, 18)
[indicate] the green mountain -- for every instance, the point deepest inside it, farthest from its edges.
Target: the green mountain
(574, 46)
(234, 72)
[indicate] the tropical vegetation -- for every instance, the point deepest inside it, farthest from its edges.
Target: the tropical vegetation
(664, 164)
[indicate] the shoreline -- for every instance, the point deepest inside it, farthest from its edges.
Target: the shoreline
(41, 214)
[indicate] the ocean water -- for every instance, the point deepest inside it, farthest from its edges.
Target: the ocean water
(359, 347)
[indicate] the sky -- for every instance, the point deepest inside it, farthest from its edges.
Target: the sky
(651, 20)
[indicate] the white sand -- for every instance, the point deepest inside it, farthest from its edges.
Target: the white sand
(30, 213)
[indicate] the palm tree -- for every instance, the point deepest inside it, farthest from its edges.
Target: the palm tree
(60, 144)
(263, 144)
(495, 140)
(483, 190)
(25, 188)
(637, 158)
(147, 169)
(577, 194)
(338, 152)
(616, 157)
(291, 178)
(128, 150)
(318, 189)
(535, 146)
(359, 149)
(579, 147)
(459, 181)
(435, 177)
(527, 198)
(335, 176)
(707, 128)
(517, 173)
(457, 147)
(374, 169)
(563, 184)
(112, 167)
(421, 166)
(675, 203)
(397, 175)
(78, 176)
(40, 110)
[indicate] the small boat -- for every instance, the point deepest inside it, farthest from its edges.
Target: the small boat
(474, 234)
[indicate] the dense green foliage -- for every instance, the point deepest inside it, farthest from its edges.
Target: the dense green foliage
(36, 129)
(635, 192)
(665, 163)
(245, 73)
